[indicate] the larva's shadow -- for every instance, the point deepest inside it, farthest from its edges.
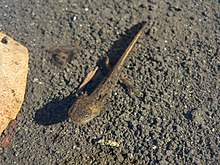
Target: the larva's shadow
(54, 112)
(57, 110)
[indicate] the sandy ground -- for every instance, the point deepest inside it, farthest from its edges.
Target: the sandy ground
(172, 119)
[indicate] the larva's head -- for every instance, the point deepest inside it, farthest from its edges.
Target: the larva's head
(83, 110)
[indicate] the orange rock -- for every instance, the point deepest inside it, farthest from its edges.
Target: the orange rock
(13, 77)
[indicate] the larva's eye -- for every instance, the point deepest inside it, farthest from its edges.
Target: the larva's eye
(86, 115)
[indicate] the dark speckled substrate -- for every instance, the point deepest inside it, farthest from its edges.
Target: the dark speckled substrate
(172, 119)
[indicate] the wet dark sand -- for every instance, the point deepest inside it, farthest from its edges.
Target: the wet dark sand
(172, 119)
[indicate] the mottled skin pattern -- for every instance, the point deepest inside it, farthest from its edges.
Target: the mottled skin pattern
(86, 107)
